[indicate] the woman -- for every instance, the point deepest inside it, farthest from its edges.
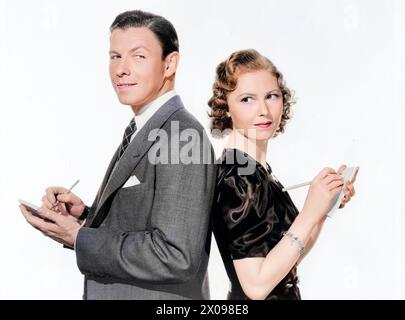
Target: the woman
(260, 233)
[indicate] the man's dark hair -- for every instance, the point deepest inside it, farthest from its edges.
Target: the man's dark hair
(161, 27)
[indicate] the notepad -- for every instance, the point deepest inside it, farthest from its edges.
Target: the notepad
(348, 175)
(30, 207)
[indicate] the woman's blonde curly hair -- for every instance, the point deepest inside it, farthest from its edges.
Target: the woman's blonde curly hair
(226, 82)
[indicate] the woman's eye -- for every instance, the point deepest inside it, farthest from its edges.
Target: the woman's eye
(246, 99)
(273, 96)
(139, 56)
(114, 57)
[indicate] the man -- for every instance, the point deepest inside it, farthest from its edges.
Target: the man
(146, 236)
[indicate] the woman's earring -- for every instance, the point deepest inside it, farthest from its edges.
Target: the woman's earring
(228, 114)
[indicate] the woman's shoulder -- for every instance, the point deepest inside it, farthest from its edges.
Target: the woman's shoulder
(238, 170)
(240, 165)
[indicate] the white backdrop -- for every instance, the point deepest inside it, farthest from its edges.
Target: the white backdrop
(61, 121)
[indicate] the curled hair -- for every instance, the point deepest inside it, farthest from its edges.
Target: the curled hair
(226, 81)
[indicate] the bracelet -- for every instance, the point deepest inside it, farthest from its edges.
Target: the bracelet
(296, 241)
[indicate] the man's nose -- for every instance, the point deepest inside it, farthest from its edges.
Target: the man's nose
(122, 68)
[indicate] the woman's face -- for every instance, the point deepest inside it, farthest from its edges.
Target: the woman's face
(256, 105)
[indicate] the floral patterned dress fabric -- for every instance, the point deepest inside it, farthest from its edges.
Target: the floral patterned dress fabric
(250, 214)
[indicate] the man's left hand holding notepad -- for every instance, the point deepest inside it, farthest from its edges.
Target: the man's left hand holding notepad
(59, 215)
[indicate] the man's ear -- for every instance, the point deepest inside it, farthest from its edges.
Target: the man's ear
(171, 63)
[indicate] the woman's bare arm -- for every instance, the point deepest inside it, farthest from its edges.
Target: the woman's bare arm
(259, 276)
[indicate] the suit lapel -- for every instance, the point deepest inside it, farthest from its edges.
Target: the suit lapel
(106, 177)
(135, 151)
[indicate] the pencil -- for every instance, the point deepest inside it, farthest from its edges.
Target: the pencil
(297, 186)
(70, 189)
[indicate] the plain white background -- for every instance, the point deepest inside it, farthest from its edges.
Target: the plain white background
(61, 121)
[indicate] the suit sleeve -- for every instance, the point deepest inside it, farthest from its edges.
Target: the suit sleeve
(171, 251)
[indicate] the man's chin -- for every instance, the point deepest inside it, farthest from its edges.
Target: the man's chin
(125, 101)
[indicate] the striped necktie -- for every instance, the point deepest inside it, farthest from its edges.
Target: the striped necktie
(129, 131)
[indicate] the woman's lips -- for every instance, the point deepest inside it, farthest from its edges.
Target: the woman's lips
(263, 125)
(125, 86)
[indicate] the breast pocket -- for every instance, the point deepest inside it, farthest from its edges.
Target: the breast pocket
(128, 191)
(132, 181)
(132, 206)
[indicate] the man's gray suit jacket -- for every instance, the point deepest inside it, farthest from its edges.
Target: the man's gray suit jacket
(152, 240)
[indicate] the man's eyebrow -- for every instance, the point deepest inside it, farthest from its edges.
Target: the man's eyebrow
(130, 51)
(138, 47)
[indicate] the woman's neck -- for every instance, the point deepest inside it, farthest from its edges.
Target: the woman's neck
(254, 148)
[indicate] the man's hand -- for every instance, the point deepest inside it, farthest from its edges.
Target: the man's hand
(59, 227)
(57, 199)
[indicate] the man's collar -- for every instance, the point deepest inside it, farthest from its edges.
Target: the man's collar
(147, 111)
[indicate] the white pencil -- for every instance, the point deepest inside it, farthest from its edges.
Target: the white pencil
(297, 186)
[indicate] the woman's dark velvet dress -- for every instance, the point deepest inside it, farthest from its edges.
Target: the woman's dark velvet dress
(250, 214)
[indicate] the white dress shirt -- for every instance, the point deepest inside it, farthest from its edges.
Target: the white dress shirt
(143, 115)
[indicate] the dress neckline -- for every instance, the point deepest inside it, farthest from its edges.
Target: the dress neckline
(245, 154)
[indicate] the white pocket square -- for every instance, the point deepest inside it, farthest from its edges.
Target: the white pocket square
(132, 181)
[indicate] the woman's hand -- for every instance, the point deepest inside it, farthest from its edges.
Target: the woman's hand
(324, 189)
(349, 188)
